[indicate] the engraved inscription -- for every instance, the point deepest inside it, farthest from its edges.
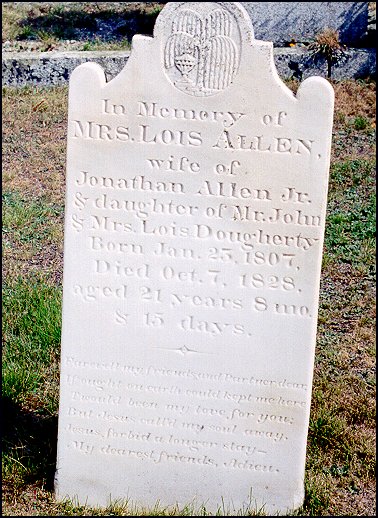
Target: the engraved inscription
(230, 421)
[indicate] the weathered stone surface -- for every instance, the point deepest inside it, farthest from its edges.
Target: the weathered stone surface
(195, 213)
(281, 21)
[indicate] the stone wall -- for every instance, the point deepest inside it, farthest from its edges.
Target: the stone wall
(55, 68)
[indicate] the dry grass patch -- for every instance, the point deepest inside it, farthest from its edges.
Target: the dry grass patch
(354, 120)
(355, 98)
(33, 501)
(363, 501)
(34, 157)
(32, 237)
(34, 142)
(26, 261)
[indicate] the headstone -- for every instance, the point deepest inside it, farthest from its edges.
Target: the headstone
(281, 22)
(195, 211)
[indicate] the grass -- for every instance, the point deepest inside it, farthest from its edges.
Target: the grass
(341, 456)
(351, 220)
(97, 25)
(340, 464)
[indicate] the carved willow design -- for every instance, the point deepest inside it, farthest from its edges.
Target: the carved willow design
(203, 51)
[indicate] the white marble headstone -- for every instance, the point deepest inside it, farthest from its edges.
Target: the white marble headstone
(195, 210)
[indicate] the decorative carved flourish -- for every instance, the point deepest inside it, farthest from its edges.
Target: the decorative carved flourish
(184, 350)
(201, 55)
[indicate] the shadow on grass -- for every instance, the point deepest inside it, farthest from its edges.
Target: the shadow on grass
(29, 444)
(102, 25)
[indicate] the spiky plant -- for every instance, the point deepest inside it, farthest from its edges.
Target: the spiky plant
(327, 46)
